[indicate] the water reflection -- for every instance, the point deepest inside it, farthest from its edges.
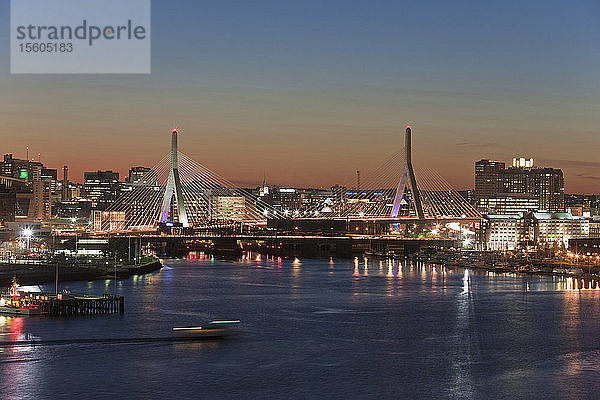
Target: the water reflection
(465, 345)
(456, 333)
(466, 281)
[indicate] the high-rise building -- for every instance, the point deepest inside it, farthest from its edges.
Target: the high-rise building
(21, 169)
(42, 204)
(101, 186)
(547, 184)
(136, 175)
(510, 203)
(51, 176)
(65, 193)
(488, 181)
(492, 179)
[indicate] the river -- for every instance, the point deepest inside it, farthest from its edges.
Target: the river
(318, 329)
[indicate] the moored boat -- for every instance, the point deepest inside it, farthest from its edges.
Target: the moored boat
(20, 310)
(12, 303)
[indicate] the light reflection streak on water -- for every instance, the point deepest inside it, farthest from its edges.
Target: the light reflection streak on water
(466, 344)
(400, 270)
(465, 280)
(570, 320)
(296, 275)
(438, 276)
(560, 283)
(15, 372)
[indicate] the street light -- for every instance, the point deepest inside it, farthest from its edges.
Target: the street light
(27, 232)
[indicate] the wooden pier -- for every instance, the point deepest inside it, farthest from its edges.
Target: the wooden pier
(60, 305)
(75, 306)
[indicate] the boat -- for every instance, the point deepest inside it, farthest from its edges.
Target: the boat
(211, 330)
(12, 303)
(20, 310)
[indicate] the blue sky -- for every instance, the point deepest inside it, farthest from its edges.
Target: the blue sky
(311, 91)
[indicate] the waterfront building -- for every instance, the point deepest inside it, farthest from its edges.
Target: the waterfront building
(542, 229)
(504, 232)
(556, 229)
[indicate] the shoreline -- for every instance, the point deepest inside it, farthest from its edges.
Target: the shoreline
(32, 274)
(561, 270)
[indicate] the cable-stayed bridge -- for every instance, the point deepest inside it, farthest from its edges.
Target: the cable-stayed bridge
(179, 190)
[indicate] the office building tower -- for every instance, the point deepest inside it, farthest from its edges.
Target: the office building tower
(494, 181)
(101, 186)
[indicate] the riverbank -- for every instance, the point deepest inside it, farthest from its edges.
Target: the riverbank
(519, 266)
(32, 274)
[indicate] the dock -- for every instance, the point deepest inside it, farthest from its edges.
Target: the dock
(61, 305)
(75, 306)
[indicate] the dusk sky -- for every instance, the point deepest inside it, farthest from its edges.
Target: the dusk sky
(311, 91)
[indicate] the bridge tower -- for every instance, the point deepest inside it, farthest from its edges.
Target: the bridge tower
(408, 179)
(174, 188)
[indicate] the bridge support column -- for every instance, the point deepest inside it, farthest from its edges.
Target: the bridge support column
(408, 179)
(174, 188)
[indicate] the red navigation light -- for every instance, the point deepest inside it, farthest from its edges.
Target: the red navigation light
(407, 126)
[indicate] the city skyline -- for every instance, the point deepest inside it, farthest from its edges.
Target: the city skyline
(311, 199)
(311, 93)
(349, 183)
